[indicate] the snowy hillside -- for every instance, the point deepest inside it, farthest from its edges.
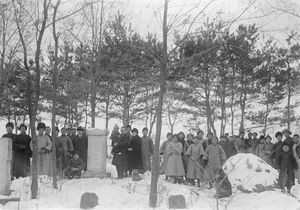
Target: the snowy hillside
(126, 194)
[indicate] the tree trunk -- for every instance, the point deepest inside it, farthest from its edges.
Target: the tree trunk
(54, 95)
(163, 73)
(107, 111)
(93, 105)
(289, 94)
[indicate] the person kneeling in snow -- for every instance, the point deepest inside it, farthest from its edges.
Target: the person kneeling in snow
(287, 164)
(223, 186)
(75, 167)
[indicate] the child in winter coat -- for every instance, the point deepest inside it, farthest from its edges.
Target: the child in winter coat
(214, 157)
(195, 166)
(75, 167)
(175, 167)
(163, 152)
(287, 164)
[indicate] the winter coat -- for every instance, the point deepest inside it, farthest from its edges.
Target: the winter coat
(174, 164)
(115, 137)
(289, 140)
(253, 143)
(215, 156)
(224, 188)
(264, 151)
(205, 143)
(228, 147)
(44, 144)
(163, 151)
(287, 164)
(76, 163)
(185, 159)
(195, 167)
(275, 153)
(80, 144)
(67, 145)
(119, 151)
(22, 154)
(147, 151)
(134, 153)
(243, 146)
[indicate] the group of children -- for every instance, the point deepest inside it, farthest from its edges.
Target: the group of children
(198, 160)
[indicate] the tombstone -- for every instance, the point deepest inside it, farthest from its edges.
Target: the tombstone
(177, 202)
(88, 200)
(6, 165)
(97, 148)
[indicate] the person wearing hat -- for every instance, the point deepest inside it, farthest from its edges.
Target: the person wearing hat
(67, 145)
(80, 144)
(73, 133)
(288, 139)
(287, 165)
(22, 153)
(134, 154)
(9, 129)
(277, 149)
(75, 166)
(44, 146)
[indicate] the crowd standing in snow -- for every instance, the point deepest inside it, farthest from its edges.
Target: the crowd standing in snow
(193, 161)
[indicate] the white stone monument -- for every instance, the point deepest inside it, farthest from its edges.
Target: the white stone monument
(96, 155)
(5, 165)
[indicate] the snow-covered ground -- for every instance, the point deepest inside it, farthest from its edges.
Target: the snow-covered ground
(126, 194)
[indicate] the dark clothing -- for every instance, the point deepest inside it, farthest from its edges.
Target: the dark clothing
(224, 188)
(276, 152)
(287, 164)
(22, 156)
(59, 155)
(115, 137)
(134, 153)
(206, 143)
(189, 142)
(228, 148)
(119, 152)
(75, 167)
(18, 169)
(289, 140)
(253, 143)
(80, 144)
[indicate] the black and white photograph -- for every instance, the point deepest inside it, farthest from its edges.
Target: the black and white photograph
(149, 104)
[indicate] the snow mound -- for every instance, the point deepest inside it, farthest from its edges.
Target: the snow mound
(248, 171)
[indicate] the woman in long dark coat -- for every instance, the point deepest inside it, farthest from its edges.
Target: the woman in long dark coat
(80, 144)
(134, 153)
(23, 154)
(119, 160)
(287, 165)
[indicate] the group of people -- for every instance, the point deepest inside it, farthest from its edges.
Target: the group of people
(199, 159)
(131, 153)
(71, 150)
(194, 160)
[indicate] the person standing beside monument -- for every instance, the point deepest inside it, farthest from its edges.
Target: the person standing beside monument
(44, 145)
(80, 144)
(134, 154)
(67, 145)
(147, 150)
(23, 154)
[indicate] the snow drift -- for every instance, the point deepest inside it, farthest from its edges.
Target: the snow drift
(247, 171)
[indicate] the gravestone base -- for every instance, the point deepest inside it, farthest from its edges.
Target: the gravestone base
(94, 174)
